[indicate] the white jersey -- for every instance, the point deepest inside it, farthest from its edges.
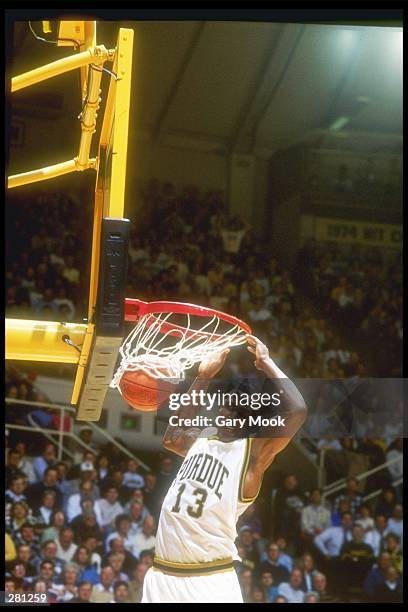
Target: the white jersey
(197, 526)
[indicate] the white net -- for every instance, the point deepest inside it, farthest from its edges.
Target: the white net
(161, 349)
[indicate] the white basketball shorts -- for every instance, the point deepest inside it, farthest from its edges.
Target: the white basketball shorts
(222, 587)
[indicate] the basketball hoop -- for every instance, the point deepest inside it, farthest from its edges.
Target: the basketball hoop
(170, 337)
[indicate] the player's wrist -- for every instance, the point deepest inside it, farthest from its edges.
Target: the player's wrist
(266, 363)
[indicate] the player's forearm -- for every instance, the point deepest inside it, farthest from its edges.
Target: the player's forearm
(176, 438)
(292, 404)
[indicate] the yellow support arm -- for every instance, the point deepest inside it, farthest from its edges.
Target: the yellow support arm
(98, 56)
(43, 174)
(28, 340)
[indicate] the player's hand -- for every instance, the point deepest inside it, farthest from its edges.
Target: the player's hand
(260, 351)
(212, 365)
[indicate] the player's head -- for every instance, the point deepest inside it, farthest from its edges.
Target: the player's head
(236, 403)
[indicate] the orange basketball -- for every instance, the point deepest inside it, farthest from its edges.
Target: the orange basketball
(144, 392)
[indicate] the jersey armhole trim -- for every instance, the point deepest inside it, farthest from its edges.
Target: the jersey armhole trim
(244, 470)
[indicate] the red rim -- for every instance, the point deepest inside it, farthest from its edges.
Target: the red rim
(137, 308)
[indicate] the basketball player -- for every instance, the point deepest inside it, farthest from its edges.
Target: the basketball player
(219, 478)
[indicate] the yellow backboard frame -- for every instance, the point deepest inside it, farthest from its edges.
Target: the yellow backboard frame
(46, 341)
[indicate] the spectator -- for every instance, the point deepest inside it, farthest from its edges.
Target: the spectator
(392, 545)
(12, 466)
(315, 517)
(49, 575)
(356, 559)
(102, 467)
(246, 540)
(87, 569)
(386, 503)
(49, 554)
(85, 435)
(47, 508)
(69, 589)
(267, 583)
(16, 490)
(320, 586)
(115, 479)
(165, 475)
(352, 495)
(85, 525)
(375, 537)
(285, 559)
(336, 517)
(330, 541)
(396, 522)
(57, 521)
(84, 593)
(136, 584)
(132, 479)
(47, 459)
(137, 513)
(145, 540)
(289, 503)
(25, 557)
(311, 597)
(108, 508)
(117, 545)
(246, 582)
(65, 545)
(63, 483)
(10, 585)
(307, 565)
(18, 572)
(103, 591)
(18, 515)
(376, 576)
(390, 591)
(87, 473)
(122, 524)
(274, 565)
(26, 535)
(258, 594)
(364, 517)
(75, 501)
(292, 590)
(121, 592)
(35, 492)
(91, 544)
(116, 561)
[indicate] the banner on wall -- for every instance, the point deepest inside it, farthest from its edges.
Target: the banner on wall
(358, 232)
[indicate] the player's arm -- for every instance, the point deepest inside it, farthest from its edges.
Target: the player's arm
(180, 439)
(292, 409)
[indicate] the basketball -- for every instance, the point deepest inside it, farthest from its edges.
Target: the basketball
(143, 392)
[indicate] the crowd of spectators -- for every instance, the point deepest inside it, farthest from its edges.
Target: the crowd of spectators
(181, 250)
(359, 290)
(84, 530)
(80, 531)
(45, 253)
